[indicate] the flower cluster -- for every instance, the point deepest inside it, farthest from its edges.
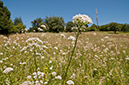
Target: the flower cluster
(82, 19)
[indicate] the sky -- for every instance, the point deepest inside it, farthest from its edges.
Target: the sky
(108, 10)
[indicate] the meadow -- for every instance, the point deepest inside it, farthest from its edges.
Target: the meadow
(42, 59)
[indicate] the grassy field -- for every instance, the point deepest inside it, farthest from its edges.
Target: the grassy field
(42, 58)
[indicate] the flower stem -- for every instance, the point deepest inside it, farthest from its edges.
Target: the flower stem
(71, 57)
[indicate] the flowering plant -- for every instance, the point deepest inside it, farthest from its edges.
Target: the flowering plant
(80, 20)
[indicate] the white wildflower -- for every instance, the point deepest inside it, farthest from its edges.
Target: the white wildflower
(29, 77)
(45, 82)
(106, 37)
(94, 33)
(71, 38)
(1, 53)
(73, 76)
(1, 61)
(70, 82)
(127, 58)
(56, 48)
(51, 67)
(43, 26)
(82, 19)
(50, 61)
(62, 35)
(53, 73)
(7, 70)
(58, 77)
(26, 83)
(22, 63)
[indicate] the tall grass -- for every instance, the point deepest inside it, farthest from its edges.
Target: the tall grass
(99, 58)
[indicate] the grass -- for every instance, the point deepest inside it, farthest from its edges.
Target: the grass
(99, 58)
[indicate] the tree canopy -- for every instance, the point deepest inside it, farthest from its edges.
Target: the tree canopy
(5, 22)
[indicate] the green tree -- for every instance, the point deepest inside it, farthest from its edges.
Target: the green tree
(93, 27)
(69, 26)
(36, 24)
(19, 28)
(6, 24)
(125, 28)
(114, 27)
(55, 24)
(17, 20)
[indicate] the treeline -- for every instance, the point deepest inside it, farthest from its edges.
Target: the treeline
(50, 24)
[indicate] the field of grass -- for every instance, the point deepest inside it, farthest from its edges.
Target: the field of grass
(42, 59)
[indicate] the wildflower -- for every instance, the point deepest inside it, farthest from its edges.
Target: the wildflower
(70, 82)
(42, 57)
(71, 38)
(73, 76)
(53, 73)
(29, 77)
(43, 26)
(40, 29)
(56, 48)
(127, 58)
(106, 37)
(22, 63)
(58, 77)
(1, 53)
(62, 35)
(7, 70)
(1, 61)
(50, 61)
(26, 83)
(45, 82)
(82, 19)
(51, 67)
(94, 33)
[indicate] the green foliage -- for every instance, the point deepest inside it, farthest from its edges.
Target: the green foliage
(55, 24)
(111, 27)
(18, 25)
(93, 28)
(36, 24)
(114, 27)
(69, 26)
(125, 28)
(19, 28)
(17, 20)
(5, 22)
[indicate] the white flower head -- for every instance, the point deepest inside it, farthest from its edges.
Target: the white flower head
(71, 38)
(7, 70)
(29, 77)
(43, 26)
(70, 82)
(82, 19)
(58, 77)
(53, 73)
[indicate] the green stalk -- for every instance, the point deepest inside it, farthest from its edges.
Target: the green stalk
(71, 56)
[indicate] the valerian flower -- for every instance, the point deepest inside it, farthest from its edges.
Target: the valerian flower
(70, 82)
(84, 19)
(7, 70)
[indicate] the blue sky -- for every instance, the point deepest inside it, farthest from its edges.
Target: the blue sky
(108, 10)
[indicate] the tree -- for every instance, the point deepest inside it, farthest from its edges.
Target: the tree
(93, 27)
(18, 25)
(114, 27)
(125, 28)
(17, 20)
(69, 26)
(6, 24)
(55, 24)
(36, 24)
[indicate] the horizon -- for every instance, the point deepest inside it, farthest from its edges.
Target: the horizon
(116, 10)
